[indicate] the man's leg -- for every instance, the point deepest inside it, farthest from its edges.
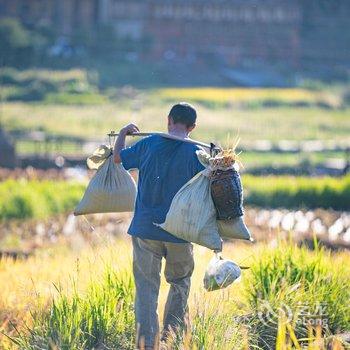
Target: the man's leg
(147, 256)
(178, 271)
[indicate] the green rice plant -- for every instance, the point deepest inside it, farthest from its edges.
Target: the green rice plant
(213, 326)
(297, 192)
(284, 289)
(20, 199)
(101, 318)
(309, 288)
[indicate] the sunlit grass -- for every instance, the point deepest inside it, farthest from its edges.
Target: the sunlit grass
(237, 96)
(307, 287)
(32, 283)
(46, 74)
(20, 199)
(256, 159)
(297, 192)
(85, 285)
(95, 121)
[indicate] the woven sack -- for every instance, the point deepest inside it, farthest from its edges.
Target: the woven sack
(235, 227)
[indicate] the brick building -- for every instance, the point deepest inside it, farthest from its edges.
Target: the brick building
(63, 15)
(290, 32)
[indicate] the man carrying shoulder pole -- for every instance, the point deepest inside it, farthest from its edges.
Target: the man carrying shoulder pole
(164, 165)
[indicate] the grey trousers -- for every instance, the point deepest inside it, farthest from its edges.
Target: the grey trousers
(147, 260)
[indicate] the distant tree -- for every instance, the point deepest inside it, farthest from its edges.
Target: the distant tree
(104, 40)
(15, 42)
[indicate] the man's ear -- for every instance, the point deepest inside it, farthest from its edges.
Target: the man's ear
(190, 128)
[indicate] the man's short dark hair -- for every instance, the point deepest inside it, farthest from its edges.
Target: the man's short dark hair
(183, 113)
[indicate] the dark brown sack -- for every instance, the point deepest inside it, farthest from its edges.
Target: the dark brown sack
(227, 194)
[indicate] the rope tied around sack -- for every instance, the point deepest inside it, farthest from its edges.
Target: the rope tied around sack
(98, 157)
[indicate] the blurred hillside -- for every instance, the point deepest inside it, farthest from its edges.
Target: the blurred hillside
(249, 43)
(72, 70)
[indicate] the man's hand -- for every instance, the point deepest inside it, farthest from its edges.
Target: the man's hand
(120, 142)
(129, 129)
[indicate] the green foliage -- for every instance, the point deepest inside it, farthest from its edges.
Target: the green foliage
(101, 318)
(37, 199)
(8, 76)
(15, 43)
(20, 47)
(75, 99)
(305, 286)
(214, 327)
(297, 192)
(68, 87)
(273, 159)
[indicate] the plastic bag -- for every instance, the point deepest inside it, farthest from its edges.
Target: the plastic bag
(220, 273)
(192, 214)
(111, 190)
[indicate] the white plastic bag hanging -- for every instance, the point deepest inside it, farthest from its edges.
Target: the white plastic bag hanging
(111, 190)
(220, 273)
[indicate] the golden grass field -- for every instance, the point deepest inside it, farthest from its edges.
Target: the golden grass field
(96, 121)
(29, 286)
(251, 113)
(237, 96)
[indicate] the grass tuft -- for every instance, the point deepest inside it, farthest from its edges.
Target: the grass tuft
(309, 289)
(100, 318)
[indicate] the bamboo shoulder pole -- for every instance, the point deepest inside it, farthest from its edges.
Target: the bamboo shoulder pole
(168, 136)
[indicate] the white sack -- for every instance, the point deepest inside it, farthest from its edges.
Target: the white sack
(220, 273)
(192, 215)
(111, 190)
(234, 229)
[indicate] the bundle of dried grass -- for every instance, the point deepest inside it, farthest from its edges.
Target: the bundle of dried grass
(226, 158)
